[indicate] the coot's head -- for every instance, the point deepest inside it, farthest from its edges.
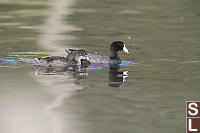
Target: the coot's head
(85, 63)
(117, 46)
(81, 56)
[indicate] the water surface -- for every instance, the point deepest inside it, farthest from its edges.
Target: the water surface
(163, 39)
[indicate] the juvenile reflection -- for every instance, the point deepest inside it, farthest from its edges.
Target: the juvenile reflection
(79, 72)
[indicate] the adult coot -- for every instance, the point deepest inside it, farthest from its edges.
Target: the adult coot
(96, 58)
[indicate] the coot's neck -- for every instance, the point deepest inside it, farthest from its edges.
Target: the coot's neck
(113, 54)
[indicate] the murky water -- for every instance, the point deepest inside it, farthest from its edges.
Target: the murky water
(163, 66)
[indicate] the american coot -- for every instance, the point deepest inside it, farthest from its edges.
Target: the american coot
(78, 58)
(96, 58)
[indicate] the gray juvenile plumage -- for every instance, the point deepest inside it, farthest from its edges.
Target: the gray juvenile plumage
(56, 61)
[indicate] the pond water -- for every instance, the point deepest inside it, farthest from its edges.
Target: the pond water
(163, 38)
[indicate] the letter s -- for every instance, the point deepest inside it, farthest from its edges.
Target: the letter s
(193, 108)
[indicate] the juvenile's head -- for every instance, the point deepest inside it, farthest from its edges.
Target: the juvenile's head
(81, 56)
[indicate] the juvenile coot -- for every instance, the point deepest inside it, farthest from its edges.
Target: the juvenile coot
(96, 58)
(78, 58)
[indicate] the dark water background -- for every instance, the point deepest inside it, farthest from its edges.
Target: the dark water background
(163, 38)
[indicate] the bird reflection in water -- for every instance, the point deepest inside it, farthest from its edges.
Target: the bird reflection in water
(116, 77)
(79, 72)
